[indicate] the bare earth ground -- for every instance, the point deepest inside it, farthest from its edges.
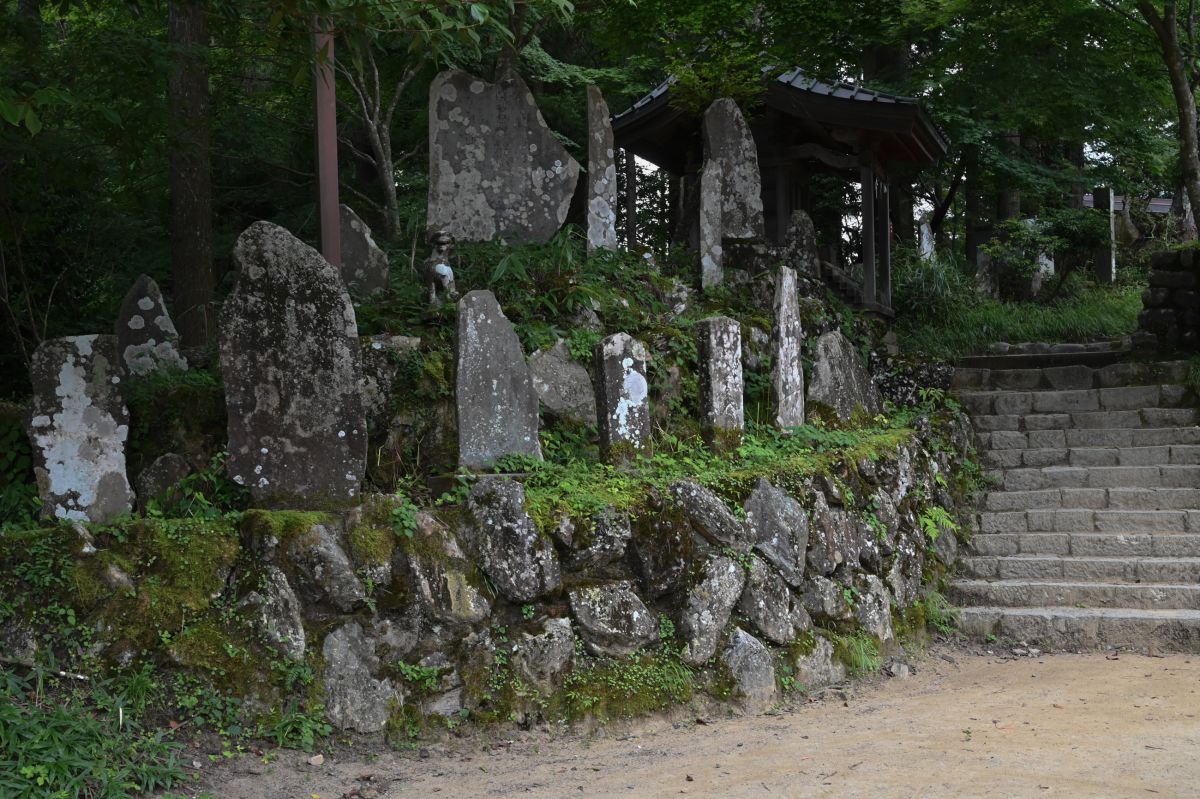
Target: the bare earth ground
(964, 725)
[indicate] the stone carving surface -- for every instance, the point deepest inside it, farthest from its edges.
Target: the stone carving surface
(730, 187)
(496, 400)
(291, 363)
(364, 264)
(787, 369)
(719, 342)
(840, 381)
(602, 176)
(78, 426)
(622, 397)
(146, 336)
(495, 168)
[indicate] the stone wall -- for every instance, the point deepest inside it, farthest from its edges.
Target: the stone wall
(1171, 305)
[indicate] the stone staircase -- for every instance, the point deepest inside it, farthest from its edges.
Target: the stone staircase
(1089, 534)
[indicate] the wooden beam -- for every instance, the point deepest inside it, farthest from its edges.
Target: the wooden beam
(828, 157)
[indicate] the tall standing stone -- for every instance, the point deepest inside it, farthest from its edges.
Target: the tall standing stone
(787, 369)
(364, 265)
(722, 420)
(146, 336)
(730, 187)
(496, 400)
(292, 367)
(1106, 254)
(602, 175)
(840, 382)
(495, 168)
(78, 426)
(622, 397)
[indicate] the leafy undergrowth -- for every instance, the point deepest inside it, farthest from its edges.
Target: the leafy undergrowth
(968, 327)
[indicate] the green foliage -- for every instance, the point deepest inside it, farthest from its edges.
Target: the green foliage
(61, 740)
(19, 501)
(609, 688)
(939, 613)
(207, 494)
(858, 651)
(297, 728)
(936, 520)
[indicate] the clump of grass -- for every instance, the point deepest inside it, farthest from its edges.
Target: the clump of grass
(969, 326)
(858, 651)
(940, 614)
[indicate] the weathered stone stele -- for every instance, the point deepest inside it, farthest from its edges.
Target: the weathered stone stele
(787, 369)
(497, 404)
(622, 397)
(364, 264)
(800, 244)
(722, 420)
(146, 336)
(839, 380)
(291, 362)
(602, 175)
(495, 168)
(78, 425)
(730, 187)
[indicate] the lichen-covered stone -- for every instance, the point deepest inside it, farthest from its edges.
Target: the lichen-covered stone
(563, 385)
(381, 357)
(603, 544)
(543, 659)
(730, 187)
(78, 426)
(709, 515)
(826, 600)
(800, 245)
(354, 699)
(834, 537)
(622, 398)
(873, 607)
(277, 613)
(602, 175)
(839, 381)
(752, 668)
(719, 344)
(778, 529)
(661, 549)
(818, 668)
(496, 401)
(163, 474)
(323, 570)
(521, 562)
(146, 336)
(495, 169)
(787, 369)
(292, 368)
(364, 264)
(709, 604)
(440, 572)
(612, 619)
(766, 603)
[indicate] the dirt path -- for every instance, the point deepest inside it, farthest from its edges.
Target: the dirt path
(962, 725)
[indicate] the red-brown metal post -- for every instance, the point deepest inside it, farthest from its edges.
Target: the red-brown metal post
(327, 167)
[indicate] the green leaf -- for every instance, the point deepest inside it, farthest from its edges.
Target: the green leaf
(32, 122)
(479, 12)
(10, 111)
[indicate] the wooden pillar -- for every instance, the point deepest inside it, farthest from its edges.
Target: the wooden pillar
(327, 169)
(783, 206)
(869, 233)
(883, 222)
(630, 200)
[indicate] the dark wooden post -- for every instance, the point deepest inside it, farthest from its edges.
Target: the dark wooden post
(630, 200)
(1106, 253)
(327, 168)
(869, 233)
(883, 220)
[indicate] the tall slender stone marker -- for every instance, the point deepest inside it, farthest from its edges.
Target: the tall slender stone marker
(496, 401)
(722, 419)
(146, 335)
(622, 398)
(787, 369)
(292, 366)
(602, 175)
(78, 426)
(730, 187)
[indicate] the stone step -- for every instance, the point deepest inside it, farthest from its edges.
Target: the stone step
(1088, 545)
(1081, 429)
(1049, 593)
(1088, 520)
(1128, 398)
(1087, 628)
(1035, 479)
(1067, 567)
(1175, 454)
(1065, 372)
(1116, 499)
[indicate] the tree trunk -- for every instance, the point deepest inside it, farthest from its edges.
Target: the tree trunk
(1008, 197)
(190, 179)
(1166, 28)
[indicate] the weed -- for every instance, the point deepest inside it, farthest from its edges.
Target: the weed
(858, 651)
